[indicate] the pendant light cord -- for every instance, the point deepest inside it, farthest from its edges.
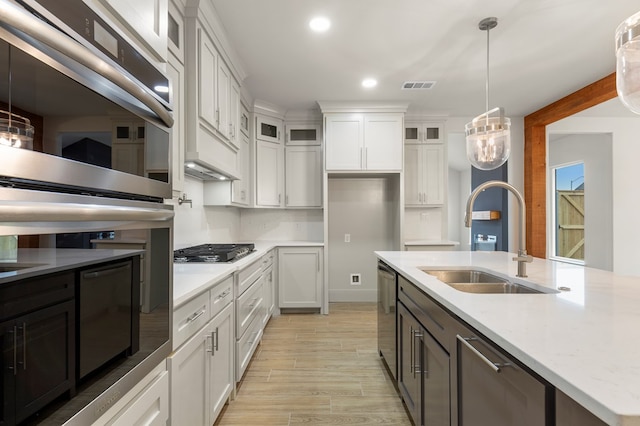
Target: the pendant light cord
(487, 81)
(9, 80)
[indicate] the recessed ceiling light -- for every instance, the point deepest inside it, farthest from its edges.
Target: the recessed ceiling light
(320, 24)
(369, 83)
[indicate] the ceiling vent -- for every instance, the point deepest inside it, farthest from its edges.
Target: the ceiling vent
(418, 85)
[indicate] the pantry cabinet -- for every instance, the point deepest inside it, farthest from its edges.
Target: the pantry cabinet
(363, 141)
(424, 174)
(300, 277)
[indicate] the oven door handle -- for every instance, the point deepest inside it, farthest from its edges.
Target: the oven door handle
(25, 211)
(13, 17)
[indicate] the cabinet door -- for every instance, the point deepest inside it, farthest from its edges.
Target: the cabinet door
(268, 296)
(221, 377)
(412, 176)
(408, 359)
(234, 112)
(269, 174)
(412, 132)
(240, 187)
(433, 133)
(224, 99)
(435, 374)
(300, 277)
(150, 408)
(493, 390)
(344, 136)
(303, 134)
(189, 367)
(207, 83)
(268, 129)
(147, 19)
(383, 142)
(244, 120)
(433, 170)
(175, 71)
(303, 176)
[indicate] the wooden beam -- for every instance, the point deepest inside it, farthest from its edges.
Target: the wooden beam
(535, 154)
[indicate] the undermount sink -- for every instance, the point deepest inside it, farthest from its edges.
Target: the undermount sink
(13, 267)
(474, 281)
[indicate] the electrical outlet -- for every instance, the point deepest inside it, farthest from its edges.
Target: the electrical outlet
(347, 238)
(356, 279)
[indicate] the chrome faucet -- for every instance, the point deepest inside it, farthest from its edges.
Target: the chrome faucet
(523, 258)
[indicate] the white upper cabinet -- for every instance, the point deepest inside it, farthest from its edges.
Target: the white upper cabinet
(175, 72)
(146, 20)
(303, 134)
(424, 175)
(234, 113)
(268, 129)
(244, 120)
(364, 141)
(223, 108)
(269, 174)
(423, 132)
(303, 176)
(207, 62)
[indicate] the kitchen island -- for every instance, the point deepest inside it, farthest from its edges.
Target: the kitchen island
(583, 341)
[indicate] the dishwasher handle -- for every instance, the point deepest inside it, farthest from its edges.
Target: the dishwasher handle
(106, 272)
(495, 366)
(385, 270)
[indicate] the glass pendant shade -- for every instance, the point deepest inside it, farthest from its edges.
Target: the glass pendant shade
(488, 140)
(15, 131)
(628, 62)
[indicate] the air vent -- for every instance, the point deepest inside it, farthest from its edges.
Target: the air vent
(418, 85)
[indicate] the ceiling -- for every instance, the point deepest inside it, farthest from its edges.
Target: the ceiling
(540, 51)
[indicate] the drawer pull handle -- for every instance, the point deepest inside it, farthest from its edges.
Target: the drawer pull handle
(223, 295)
(15, 350)
(495, 366)
(195, 316)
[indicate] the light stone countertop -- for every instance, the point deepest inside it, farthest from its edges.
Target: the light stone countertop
(586, 342)
(191, 279)
(43, 261)
(431, 243)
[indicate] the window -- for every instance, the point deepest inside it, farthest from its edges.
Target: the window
(568, 212)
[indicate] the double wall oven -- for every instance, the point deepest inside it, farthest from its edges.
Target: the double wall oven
(85, 157)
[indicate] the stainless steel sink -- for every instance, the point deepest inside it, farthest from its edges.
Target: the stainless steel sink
(13, 267)
(474, 281)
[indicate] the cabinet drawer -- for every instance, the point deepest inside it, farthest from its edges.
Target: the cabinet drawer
(189, 318)
(248, 306)
(246, 345)
(35, 293)
(267, 260)
(221, 295)
(433, 317)
(248, 276)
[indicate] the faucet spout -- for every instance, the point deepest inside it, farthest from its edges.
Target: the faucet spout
(523, 258)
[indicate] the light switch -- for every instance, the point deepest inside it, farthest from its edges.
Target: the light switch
(347, 238)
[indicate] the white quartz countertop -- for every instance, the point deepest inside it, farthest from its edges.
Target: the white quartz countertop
(191, 279)
(585, 341)
(39, 261)
(431, 243)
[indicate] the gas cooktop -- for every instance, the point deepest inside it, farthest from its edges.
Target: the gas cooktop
(212, 253)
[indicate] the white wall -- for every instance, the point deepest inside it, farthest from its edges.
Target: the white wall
(279, 225)
(626, 204)
(594, 150)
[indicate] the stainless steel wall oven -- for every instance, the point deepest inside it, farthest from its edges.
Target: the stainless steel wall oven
(84, 162)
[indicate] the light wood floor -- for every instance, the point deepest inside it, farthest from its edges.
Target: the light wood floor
(317, 369)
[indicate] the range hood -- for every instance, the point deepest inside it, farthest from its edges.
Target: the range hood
(201, 172)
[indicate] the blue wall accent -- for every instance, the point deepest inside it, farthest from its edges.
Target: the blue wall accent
(491, 199)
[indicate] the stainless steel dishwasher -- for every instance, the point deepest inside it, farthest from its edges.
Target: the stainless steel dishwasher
(105, 314)
(387, 294)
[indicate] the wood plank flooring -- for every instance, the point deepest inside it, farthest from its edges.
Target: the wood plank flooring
(317, 369)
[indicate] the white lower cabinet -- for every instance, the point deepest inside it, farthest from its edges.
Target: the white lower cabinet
(300, 277)
(146, 404)
(201, 369)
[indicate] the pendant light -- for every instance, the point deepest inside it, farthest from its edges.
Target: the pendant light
(15, 131)
(628, 62)
(489, 134)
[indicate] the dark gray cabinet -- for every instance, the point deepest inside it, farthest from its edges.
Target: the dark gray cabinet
(37, 335)
(448, 374)
(423, 367)
(493, 390)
